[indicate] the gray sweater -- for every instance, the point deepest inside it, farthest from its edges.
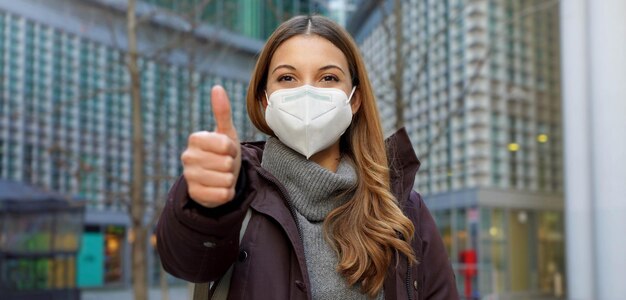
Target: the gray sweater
(315, 192)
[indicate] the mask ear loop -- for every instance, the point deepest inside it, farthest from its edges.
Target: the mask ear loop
(351, 93)
(267, 100)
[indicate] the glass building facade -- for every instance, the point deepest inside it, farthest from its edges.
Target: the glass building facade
(482, 105)
(65, 108)
(252, 18)
(517, 251)
(65, 111)
(65, 114)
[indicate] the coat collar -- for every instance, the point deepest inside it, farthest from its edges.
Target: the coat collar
(403, 166)
(403, 163)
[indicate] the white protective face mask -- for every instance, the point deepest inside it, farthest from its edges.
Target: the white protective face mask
(309, 119)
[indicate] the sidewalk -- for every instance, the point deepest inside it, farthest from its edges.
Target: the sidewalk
(176, 292)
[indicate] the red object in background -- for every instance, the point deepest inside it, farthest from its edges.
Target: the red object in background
(468, 259)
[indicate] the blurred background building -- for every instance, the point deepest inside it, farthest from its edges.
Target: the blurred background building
(65, 108)
(341, 10)
(40, 233)
(477, 85)
(65, 111)
(251, 18)
(475, 82)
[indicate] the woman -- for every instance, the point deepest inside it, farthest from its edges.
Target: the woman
(333, 214)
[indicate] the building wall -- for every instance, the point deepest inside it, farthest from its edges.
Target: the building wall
(519, 251)
(252, 18)
(482, 105)
(480, 77)
(65, 110)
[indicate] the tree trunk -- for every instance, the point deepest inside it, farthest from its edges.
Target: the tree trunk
(398, 78)
(137, 207)
(139, 265)
(164, 286)
(191, 89)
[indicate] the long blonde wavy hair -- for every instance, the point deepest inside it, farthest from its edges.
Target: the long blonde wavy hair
(369, 229)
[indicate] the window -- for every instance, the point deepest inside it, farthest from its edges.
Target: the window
(114, 254)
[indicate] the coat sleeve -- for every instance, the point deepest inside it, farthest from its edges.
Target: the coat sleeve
(196, 243)
(434, 268)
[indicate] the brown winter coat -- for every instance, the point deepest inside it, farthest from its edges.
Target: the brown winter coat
(199, 244)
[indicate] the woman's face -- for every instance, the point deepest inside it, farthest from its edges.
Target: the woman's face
(312, 60)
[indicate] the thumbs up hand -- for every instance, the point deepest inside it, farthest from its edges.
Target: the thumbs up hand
(212, 160)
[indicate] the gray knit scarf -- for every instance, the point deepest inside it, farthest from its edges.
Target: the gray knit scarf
(314, 192)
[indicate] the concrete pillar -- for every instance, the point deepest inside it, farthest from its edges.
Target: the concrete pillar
(593, 43)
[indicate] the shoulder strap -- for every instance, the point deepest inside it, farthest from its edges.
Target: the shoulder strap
(201, 290)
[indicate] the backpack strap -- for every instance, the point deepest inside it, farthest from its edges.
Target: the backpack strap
(201, 290)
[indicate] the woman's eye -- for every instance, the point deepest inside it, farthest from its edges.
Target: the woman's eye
(285, 78)
(330, 78)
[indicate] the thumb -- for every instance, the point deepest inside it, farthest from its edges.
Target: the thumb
(222, 113)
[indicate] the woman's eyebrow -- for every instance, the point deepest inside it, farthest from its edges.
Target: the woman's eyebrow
(284, 66)
(332, 67)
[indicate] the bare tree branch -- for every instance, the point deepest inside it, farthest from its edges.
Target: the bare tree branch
(441, 124)
(147, 17)
(92, 94)
(150, 170)
(423, 56)
(192, 20)
(161, 177)
(111, 25)
(278, 13)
